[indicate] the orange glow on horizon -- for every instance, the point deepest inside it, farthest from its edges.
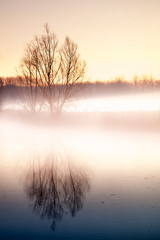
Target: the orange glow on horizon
(115, 38)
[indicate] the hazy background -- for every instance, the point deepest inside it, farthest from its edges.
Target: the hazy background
(115, 37)
(92, 170)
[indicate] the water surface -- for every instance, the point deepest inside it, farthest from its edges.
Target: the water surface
(69, 182)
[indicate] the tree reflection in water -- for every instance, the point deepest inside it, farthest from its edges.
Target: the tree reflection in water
(56, 186)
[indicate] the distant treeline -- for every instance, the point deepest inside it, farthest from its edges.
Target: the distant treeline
(119, 85)
(89, 89)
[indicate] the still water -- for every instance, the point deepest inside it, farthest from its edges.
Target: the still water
(72, 182)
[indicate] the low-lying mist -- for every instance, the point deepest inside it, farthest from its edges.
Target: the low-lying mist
(94, 163)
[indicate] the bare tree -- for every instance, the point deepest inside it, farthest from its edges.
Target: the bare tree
(55, 70)
(55, 185)
(72, 71)
(28, 86)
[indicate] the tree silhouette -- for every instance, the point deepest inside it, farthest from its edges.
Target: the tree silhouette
(57, 71)
(56, 187)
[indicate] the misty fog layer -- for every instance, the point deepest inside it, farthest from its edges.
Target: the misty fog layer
(128, 102)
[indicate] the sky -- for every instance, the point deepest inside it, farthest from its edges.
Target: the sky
(115, 37)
